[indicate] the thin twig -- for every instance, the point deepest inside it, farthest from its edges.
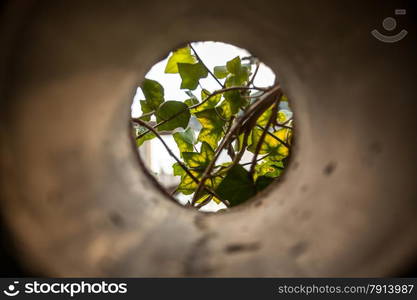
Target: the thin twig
(262, 138)
(274, 136)
(251, 112)
(254, 74)
(259, 159)
(142, 123)
(206, 201)
(230, 151)
(197, 105)
(208, 70)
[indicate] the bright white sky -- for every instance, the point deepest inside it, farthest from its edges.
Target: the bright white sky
(213, 54)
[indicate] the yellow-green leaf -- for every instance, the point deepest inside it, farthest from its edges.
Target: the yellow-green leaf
(185, 140)
(199, 160)
(209, 103)
(233, 101)
(187, 185)
(239, 74)
(270, 144)
(221, 72)
(269, 169)
(191, 74)
(178, 170)
(182, 55)
(212, 127)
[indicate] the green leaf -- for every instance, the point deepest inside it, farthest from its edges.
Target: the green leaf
(176, 112)
(212, 127)
(182, 55)
(237, 186)
(200, 160)
(185, 140)
(234, 65)
(233, 101)
(239, 74)
(202, 199)
(148, 136)
(178, 170)
(269, 169)
(262, 182)
(282, 117)
(264, 118)
(210, 103)
(191, 102)
(146, 110)
(187, 185)
(154, 93)
(221, 72)
(270, 144)
(191, 74)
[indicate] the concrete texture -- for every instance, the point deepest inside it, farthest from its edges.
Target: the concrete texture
(77, 203)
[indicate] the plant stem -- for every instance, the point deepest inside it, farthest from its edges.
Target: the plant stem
(200, 205)
(259, 159)
(208, 70)
(255, 110)
(275, 137)
(254, 74)
(262, 138)
(144, 124)
(198, 104)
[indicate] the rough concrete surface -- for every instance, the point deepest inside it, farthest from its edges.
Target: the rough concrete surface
(73, 195)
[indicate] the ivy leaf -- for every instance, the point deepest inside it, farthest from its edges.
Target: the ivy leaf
(239, 74)
(200, 160)
(187, 185)
(210, 103)
(212, 127)
(221, 72)
(193, 99)
(185, 140)
(146, 110)
(237, 186)
(191, 74)
(282, 117)
(154, 93)
(262, 182)
(270, 144)
(148, 136)
(178, 170)
(176, 112)
(182, 55)
(264, 118)
(234, 65)
(200, 200)
(191, 102)
(233, 101)
(269, 168)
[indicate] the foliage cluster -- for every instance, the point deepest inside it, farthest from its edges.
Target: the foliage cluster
(236, 118)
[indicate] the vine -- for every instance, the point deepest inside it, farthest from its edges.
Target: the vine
(237, 118)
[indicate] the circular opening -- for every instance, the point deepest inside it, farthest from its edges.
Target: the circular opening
(212, 125)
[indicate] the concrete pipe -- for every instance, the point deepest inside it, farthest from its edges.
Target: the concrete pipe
(76, 202)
